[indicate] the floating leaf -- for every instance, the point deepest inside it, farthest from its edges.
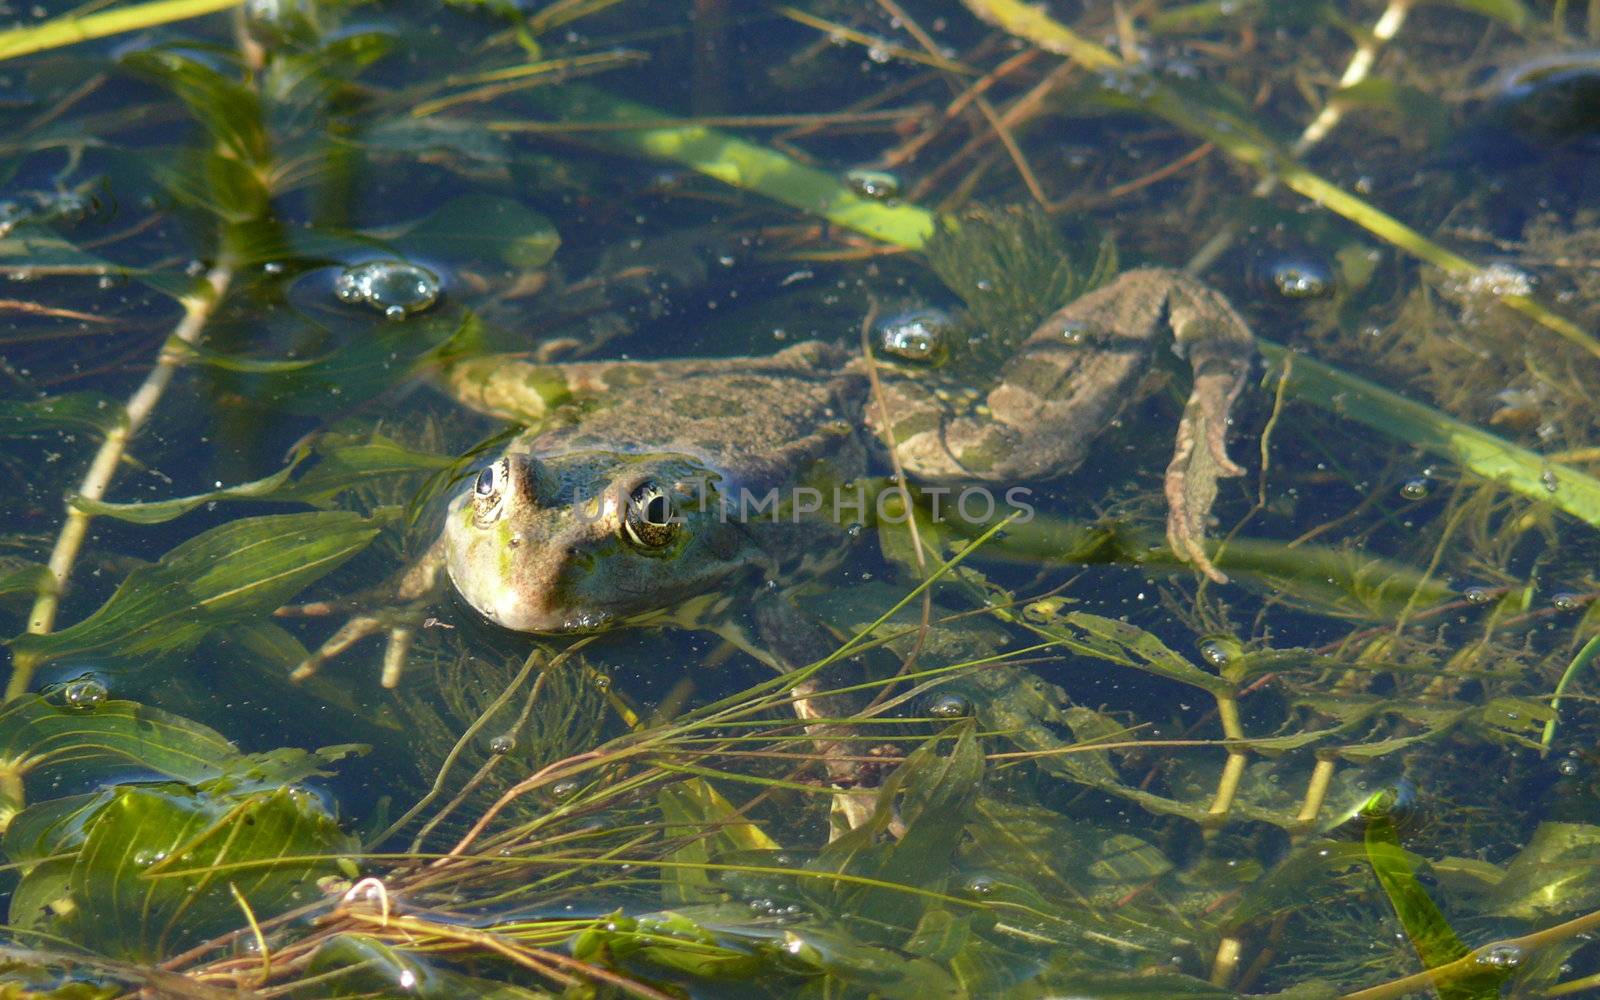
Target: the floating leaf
(142, 886)
(53, 743)
(239, 569)
(485, 227)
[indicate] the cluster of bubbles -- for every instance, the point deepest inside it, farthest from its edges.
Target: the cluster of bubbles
(396, 288)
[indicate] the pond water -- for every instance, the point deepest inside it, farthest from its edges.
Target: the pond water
(385, 390)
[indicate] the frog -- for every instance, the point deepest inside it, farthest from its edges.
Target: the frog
(630, 494)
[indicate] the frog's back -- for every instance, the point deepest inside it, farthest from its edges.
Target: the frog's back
(768, 422)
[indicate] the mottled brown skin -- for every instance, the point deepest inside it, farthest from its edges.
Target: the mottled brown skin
(548, 550)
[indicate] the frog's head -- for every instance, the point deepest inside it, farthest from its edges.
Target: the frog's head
(581, 540)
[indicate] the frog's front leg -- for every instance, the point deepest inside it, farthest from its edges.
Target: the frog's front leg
(409, 594)
(1073, 376)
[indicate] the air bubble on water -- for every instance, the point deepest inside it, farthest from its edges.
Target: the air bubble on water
(83, 692)
(918, 335)
(1502, 956)
(879, 185)
(1416, 488)
(950, 705)
(1301, 279)
(396, 288)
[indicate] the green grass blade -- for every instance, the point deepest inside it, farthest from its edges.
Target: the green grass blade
(1516, 468)
(1586, 656)
(71, 29)
(738, 162)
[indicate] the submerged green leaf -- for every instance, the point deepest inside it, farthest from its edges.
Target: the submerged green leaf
(239, 569)
(737, 162)
(142, 883)
(930, 793)
(88, 411)
(1511, 12)
(373, 361)
(1129, 646)
(160, 511)
(485, 227)
(1557, 874)
(1430, 933)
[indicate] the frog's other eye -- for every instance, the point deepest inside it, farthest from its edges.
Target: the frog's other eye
(650, 521)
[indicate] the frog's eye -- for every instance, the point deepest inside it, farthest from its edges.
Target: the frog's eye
(488, 483)
(649, 522)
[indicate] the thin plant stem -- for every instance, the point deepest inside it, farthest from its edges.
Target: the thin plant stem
(198, 306)
(1384, 31)
(1233, 769)
(1316, 791)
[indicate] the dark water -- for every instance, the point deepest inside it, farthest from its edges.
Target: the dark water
(642, 815)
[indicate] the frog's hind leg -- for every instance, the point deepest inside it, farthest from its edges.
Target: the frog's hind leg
(1219, 347)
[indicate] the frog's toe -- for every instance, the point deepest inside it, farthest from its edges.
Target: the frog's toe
(1187, 541)
(350, 633)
